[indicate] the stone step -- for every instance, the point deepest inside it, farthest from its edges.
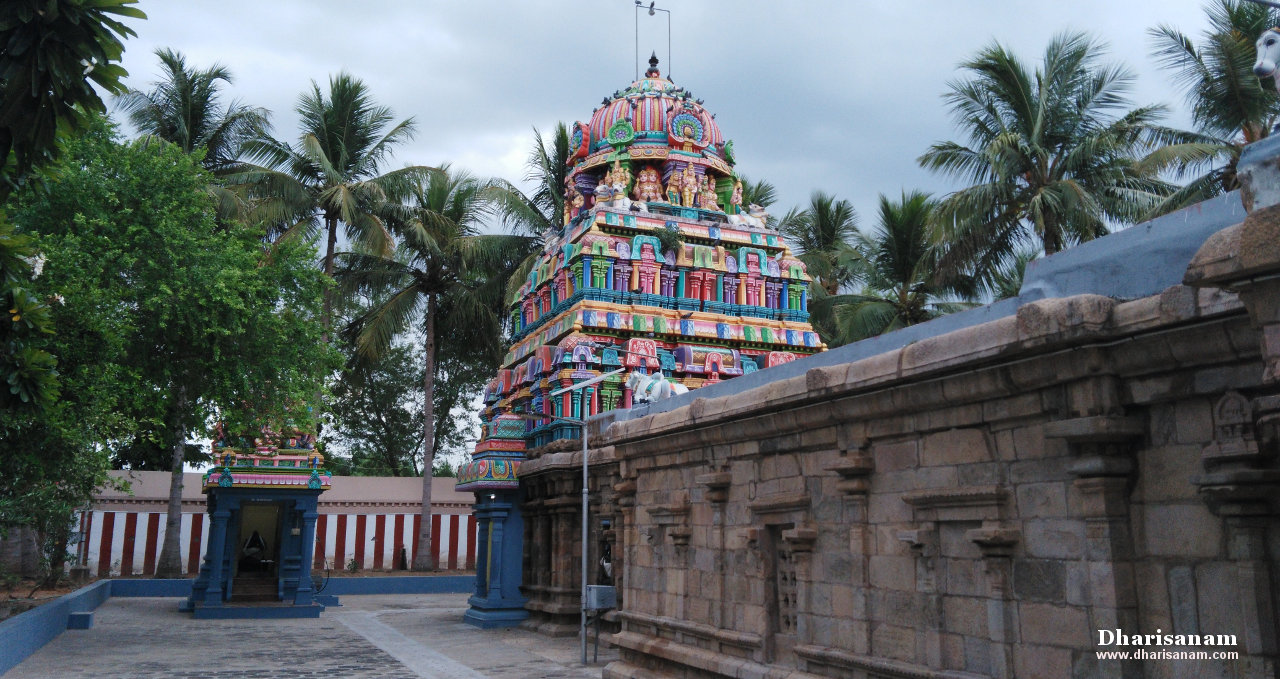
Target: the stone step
(254, 588)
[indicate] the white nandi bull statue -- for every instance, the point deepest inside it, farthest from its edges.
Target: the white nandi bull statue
(612, 195)
(649, 388)
(755, 218)
(1268, 63)
(615, 195)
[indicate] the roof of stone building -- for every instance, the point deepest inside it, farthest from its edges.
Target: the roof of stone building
(152, 487)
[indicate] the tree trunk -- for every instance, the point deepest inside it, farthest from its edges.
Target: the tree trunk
(56, 543)
(169, 563)
(326, 316)
(425, 558)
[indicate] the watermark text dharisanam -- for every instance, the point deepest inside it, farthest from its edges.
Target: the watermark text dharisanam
(1177, 646)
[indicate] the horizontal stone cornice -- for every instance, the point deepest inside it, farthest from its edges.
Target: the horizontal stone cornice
(782, 502)
(598, 458)
(943, 498)
(735, 638)
(885, 385)
(879, 667)
(1096, 429)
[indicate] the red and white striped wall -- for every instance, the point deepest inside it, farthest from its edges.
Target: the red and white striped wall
(128, 543)
(375, 541)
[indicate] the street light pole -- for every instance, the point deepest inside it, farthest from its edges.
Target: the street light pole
(586, 479)
(582, 624)
(582, 627)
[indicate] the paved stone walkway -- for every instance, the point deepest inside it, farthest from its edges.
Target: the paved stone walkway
(418, 636)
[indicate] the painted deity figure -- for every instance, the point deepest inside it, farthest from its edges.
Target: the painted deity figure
(573, 202)
(735, 199)
(621, 176)
(576, 202)
(673, 188)
(648, 187)
(689, 187)
(604, 190)
(707, 193)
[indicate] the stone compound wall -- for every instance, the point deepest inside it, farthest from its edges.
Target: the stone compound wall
(974, 497)
(976, 504)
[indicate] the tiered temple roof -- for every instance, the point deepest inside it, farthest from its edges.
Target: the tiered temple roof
(658, 267)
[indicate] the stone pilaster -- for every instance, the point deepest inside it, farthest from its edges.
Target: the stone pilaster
(996, 545)
(1103, 447)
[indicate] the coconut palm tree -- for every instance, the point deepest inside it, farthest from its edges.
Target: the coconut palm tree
(1051, 154)
(542, 213)
(183, 108)
(761, 192)
(1006, 280)
(1231, 107)
(823, 235)
(899, 274)
(547, 169)
(331, 175)
(446, 276)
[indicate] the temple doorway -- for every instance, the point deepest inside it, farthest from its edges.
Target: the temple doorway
(259, 539)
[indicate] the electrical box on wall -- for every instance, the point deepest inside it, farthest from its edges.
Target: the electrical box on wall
(601, 597)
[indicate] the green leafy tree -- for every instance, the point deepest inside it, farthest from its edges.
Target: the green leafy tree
(332, 174)
(1051, 154)
(378, 414)
(462, 371)
(759, 192)
(377, 407)
(180, 323)
(1231, 107)
(38, 490)
(446, 276)
(28, 373)
(898, 270)
(52, 53)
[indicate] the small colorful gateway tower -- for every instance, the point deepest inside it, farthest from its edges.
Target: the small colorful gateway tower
(659, 270)
(262, 495)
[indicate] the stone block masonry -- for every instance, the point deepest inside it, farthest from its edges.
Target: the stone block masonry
(975, 504)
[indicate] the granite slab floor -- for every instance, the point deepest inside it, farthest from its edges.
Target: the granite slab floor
(418, 636)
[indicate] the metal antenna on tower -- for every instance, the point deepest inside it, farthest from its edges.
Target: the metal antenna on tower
(652, 10)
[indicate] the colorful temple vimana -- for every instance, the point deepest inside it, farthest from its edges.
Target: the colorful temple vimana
(728, 298)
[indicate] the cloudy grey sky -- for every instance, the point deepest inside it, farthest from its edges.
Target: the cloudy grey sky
(838, 96)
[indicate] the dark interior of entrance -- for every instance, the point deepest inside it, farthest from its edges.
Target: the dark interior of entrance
(259, 539)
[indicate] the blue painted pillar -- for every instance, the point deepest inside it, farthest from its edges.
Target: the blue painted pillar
(499, 560)
(303, 597)
(215, 556)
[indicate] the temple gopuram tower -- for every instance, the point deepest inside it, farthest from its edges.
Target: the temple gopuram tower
(659, 268)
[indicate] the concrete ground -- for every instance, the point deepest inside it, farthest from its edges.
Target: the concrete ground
(418, 636)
